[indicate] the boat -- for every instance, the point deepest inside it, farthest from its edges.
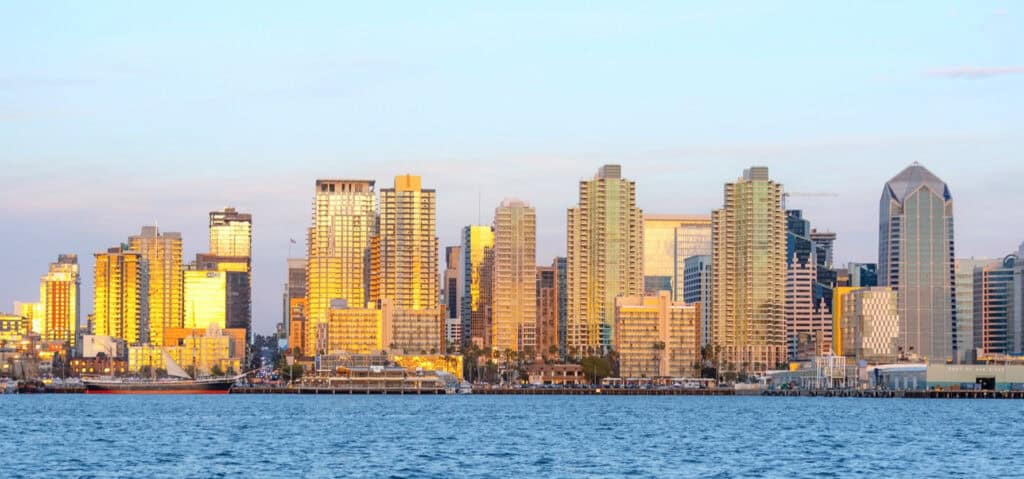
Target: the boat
(178, 382)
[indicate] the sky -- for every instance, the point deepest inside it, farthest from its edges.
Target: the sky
(115, 115)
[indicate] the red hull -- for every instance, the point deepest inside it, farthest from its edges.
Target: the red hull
(152, 391)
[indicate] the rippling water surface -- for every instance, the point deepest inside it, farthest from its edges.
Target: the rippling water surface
(506, 436)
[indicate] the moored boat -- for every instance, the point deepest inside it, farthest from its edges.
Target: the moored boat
(178, 382)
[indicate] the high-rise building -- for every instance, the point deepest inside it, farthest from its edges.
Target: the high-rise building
(668, 241)
(806, 320)
(294, 303)
(749, 274)
(219, 298)
(863, 275)
(230, 233)
(547, 312)
(697, 289)
(560, 263)
(870, 324)
(358, 330)
(514, 290)
(451, 294)
(915, 258)
(34, 313)
(476, 241)
(993, 307)
(121, 295)
(605, 258)
(339, 251)
(657, 337)
(963, 285)
(1017, 325)
(58, 293)
(162, 254)
(408, 274)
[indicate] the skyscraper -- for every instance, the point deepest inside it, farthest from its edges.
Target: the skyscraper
(547, 312)
(749, 273)
(809, 283)
(963, 285)
(605, 258)
(1017, 326)
(697, 289)
(339, 252)
(121, 296)
(295, 303)
(451, 294)
(162, 254)
(58, 293)
(668, 241)
(993, 307)
(230, 233)
(916, 258)
(408, 264)
(514, 293)
(476, 241)
(560, 264)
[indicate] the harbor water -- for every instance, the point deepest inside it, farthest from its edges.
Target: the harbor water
(506, 436)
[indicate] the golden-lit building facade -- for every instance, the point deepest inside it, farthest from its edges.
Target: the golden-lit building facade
(205, 299)
(749, 274)
(120, 295)
(162, 253)
(339, 251)
(13, 327)
(838, 301)
(656, 337)
(477, 240)
(451, 364)
(35, 313)
(668, 241)
(514, 291)
(605, 258)
(408, 273)
(547, 312)
(58, 294)
(230, 233)
(356, 330)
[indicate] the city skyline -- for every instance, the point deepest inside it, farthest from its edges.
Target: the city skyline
(103, 137)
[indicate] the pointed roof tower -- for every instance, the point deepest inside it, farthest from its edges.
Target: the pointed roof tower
(914, 177)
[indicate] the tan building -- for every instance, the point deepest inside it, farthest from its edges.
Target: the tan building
(605, 258)
(656, 337)
(339, 260)
(162, 253)
(547, 312)
(668, 241)
(356, 330)
(408, 273)
(514, 291)
(120, 296)
(871, 324)
(749, 274)
(804, 319)
(58, 294)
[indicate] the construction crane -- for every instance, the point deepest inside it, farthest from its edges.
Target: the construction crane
(806, 195)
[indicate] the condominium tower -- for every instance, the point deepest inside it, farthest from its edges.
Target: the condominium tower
(120, 295)
(605, 258)
(477, 240)
(916, 258)
(162, 254)
(748, 236)
(59, 295)
(514, 290)
(339, 251)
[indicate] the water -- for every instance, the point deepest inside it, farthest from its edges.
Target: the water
(506, 436)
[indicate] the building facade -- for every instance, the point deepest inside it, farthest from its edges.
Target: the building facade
(916, 258)
(605, 258)
(806, 319)
(477, 240)
(993, 307)
(697, 290)
(749, 274)
(121, 295)
(162, 254)
(870, 324)
(656, 337)
(514, 291)
(963, 285)
(547, 312)
(451, 295)
(59, 295)
(231, 233)
(668, 241)
(339, 251)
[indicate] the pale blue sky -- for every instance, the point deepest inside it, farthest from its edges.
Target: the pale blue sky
(115, 115)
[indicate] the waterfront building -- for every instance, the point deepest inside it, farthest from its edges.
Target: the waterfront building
(915, 258)
(359, 330)
(806, 317)
(121, 295)
(1017, 325)
(963, 286)
(162, 254)
(838, 313)
(749, 274)
(605, 258)
(547, 312)
(59, 296)
(870, 325)
(408, 272)
(92, 345)
(697, 290)
(657, 337)
(476, 241)
(200, 352)
(560, 263)
(993, 307)
(668, 241)
(514, 288)
(339, 245)
(451, 295)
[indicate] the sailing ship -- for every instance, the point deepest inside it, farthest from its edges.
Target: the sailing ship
(177, 382)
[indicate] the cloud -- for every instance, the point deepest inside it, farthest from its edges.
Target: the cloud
(974, 72)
